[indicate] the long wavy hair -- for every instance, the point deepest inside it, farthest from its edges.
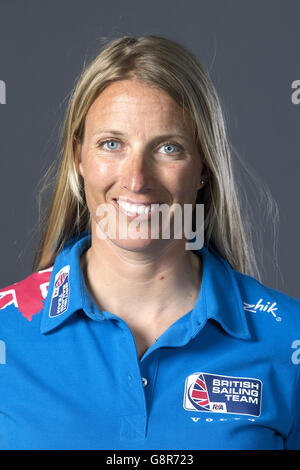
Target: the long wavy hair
(163, 63)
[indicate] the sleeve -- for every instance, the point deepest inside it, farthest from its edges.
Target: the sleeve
(292, 441)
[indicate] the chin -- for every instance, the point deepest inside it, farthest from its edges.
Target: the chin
(135, 245)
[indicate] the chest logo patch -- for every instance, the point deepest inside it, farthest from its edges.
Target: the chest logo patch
(61, 293)
(222, 394)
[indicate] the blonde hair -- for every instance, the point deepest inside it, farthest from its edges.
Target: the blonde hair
(163, 63)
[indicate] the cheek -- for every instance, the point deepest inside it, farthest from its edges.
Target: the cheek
(183, 181)
(98, 178)
(97, 175)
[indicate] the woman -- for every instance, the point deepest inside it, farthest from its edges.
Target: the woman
(141, 343)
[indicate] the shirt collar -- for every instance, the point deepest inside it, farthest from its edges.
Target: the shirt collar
(219, 296)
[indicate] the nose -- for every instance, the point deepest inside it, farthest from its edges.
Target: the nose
(136, 173)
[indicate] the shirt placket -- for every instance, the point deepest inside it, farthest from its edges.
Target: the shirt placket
(140, 377)
(133, 424)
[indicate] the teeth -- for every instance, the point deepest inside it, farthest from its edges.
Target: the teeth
(134, 209)
(143, 210)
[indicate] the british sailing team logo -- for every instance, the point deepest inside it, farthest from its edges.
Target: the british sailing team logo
(222, 394)
(61, 293)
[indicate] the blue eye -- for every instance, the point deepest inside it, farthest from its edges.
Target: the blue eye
(111, 147)
(170, 148)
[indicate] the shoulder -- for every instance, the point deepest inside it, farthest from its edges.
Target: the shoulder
(27, 295)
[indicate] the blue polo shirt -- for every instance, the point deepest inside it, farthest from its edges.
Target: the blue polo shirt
(223, 376)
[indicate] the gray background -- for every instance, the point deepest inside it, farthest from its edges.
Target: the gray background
(251, 49)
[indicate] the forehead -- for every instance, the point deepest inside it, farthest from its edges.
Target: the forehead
(133, 103)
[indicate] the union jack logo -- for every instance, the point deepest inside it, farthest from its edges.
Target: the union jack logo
(198, 394)
(61, 279)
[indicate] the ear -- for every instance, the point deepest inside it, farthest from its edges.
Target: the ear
(77, 155)
(203, 177)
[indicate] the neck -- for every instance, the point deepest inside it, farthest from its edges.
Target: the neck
(159, 278)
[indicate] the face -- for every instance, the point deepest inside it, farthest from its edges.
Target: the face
(139, 146)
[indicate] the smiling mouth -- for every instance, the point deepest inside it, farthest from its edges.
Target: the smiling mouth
(134, 210)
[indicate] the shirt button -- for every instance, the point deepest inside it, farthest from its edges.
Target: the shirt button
(145, 381)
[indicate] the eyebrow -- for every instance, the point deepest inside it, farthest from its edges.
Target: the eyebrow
(119, 133)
